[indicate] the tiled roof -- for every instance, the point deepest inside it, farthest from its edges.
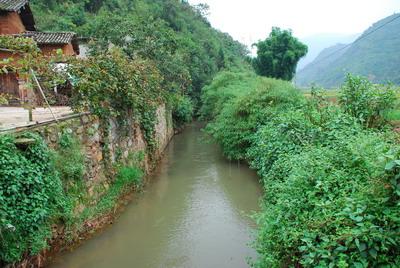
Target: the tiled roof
(12, 5)
(50, 38)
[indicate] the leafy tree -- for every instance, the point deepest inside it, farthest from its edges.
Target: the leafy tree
(176, 36)
(278, 55)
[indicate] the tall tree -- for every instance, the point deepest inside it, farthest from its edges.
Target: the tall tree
(278, 55)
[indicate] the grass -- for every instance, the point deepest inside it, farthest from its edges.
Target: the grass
(126, 178)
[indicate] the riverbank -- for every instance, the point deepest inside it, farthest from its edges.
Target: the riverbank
(330, 172)
(87, 171)
(193, 213)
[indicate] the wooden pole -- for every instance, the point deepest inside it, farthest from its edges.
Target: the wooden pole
(30, 114)
(44, 96)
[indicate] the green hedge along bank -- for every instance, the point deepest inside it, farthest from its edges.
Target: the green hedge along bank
(331, 181)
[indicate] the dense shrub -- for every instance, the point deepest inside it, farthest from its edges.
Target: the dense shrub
(182, 112)
(225, 86)
(331, 185)
(329, 206)
(40, 187)
(128, 175)
(239, 118)
(293, 130)
(110, 84)
(365, 101)
(31, 194)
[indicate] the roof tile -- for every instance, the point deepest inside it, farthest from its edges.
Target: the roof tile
(12, 5)
(50, 38)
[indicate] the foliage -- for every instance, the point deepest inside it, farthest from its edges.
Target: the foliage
(224, 87)
(127, 177)
(331, 185)
(365, 101)
(374, 56)
(110, 85)
(278, 55)
(69, 160)
(37, 191)
(18, 44)
(30, 195)
(238, 119)
(182, 112)
(25, 57)
(329, 207)
(4, 98)
(173, 34)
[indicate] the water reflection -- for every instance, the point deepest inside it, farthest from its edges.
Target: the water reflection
(191, 215)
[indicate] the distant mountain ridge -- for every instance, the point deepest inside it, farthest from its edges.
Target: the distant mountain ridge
(318, 42)
(376, 56)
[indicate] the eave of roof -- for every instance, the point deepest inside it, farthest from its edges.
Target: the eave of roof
(50, 38)
(22, 8)
(12, 5)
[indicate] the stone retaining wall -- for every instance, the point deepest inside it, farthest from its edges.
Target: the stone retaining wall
(102, 151)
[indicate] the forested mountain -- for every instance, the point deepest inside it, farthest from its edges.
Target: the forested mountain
(172, 33)
(317, 43)
(375, 55)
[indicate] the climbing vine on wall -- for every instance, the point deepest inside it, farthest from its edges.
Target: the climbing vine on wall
(18, 44)
(112, 86)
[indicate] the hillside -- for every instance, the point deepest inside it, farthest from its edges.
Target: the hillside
(375, 56)
(172, 33)
(317, 43)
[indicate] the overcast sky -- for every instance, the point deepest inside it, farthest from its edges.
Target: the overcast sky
(251, 20)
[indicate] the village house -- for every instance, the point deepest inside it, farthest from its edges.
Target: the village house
(16, 19)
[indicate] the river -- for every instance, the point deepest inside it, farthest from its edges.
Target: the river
(193, 213)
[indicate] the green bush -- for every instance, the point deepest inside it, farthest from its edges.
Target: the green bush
(224, 87)
(239, 118)
(182, 112)
(111, 85)
(332, 186)
(31, 194)
(365, 101)
(330, 207)
(289, 132)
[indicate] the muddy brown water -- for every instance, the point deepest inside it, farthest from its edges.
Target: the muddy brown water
(194, 213)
